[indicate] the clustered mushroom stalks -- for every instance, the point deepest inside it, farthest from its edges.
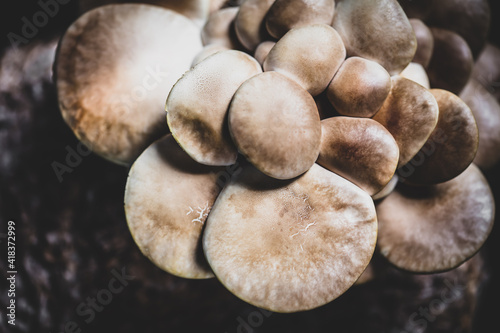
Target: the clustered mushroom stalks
(300, 135)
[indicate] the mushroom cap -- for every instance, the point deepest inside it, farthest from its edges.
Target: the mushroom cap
(167, 200)
(290, 246)
(451, 63)
(376, 30)
(410, 114)
(486, 111)
(285, 15)
(197, 106)
(275, 125)
(391, 186)
(309, 55)
(436, 228)
(425, 43)
(487, 69)
(420, 9)
(114, 67)
(452, 146)
(263, 50)
(359, 88)
(416, 73)
(206, 52)
(360, 150)
(249, 23)
(219, 28)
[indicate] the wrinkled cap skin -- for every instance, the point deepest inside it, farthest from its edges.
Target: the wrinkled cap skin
(275, 125)
(425, 43)
(451, 63)
(167, 200)
(416, 73)
(410, 114)
(452, 146)
(436, 228)
(359, 88)
(219, 28)
(249, 23)
(290, 246)
(114, 67)
(285, 15)
(197, 106)
(376, 30)
(263, 50)
(310, 56)
(360, 150)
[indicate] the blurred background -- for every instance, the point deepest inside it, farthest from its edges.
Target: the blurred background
(72, 238)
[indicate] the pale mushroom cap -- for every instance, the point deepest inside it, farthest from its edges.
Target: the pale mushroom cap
(391, 186)
(285, 15)
(167, 200)
(114, 67)
(310, 56)
(263, 50)
(486, 111)
(359, 88)
(249, 23)
(451, 63)
(376, 30)
(219, 28)
(360, 150)
(198, 103)
(206, 52)
(410, 114)
(425, 42)
(436, 228)
(487, 69)
(290, 246)
(452, 146)
(416, 72)
(275, 125)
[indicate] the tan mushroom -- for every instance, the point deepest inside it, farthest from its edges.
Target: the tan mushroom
(416, 73)
(219, 28)
(290, 246)
(263, 50)
(114, 67)
(250, 24)
(425, 43)
(487, 70)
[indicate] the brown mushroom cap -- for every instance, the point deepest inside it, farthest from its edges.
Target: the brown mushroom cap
(285, 15)
(410, 113)
(487, 69)
(376, 30)
(249, 23)
(436, 228)
(114, 67)
(290, 246)
(486, 111)
(359, 88)
(275, 125)
(219, 29)
(388, 189)
(425, 43)
(452, 146)
(167, 200)
(310, 56)
(416, 73)
(197, 106)
(262, 51)
(360, 150)
(206, 52)
(420, 9)
(451, 63)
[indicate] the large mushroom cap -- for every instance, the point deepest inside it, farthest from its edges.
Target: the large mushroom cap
(436, 228)
(376, 30)
(167, 200)
(290, 245)
(249, 23)
(197, 106)
(275, 125)
(114, 67)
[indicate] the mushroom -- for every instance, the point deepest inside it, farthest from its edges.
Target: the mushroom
(263, 50)
(114, 67)
(425, 43)
(275, 125)
(360, 150)
(310, 56)
(290, 246)
(416, 73)
(206, 52)
(249, 23)
(391, 186)
(359, 88)
(410, 113)
(420, 9)
(285, 15)
(487, 70)
(436, 228)
(219, 29)
(167, 200)
(376, 30)
(450, 149)
(197, 106)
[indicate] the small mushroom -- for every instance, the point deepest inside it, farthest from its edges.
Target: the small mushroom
(452, 146)
(249, 23)
(376, 30)
(425, 42)
(436, 228)
(360, 150)
(290, 246)
(275, 125)
(410, 113)
(388, 189)
(197, 106)
(285, 15)
(206, 52)
(310, 56)
(487, 70)
(359, 88)
(416, 73)
(262, 51)
(219, 28)
(167, 200)
(114, 67)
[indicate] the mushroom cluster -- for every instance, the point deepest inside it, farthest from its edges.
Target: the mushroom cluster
(301, 134)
